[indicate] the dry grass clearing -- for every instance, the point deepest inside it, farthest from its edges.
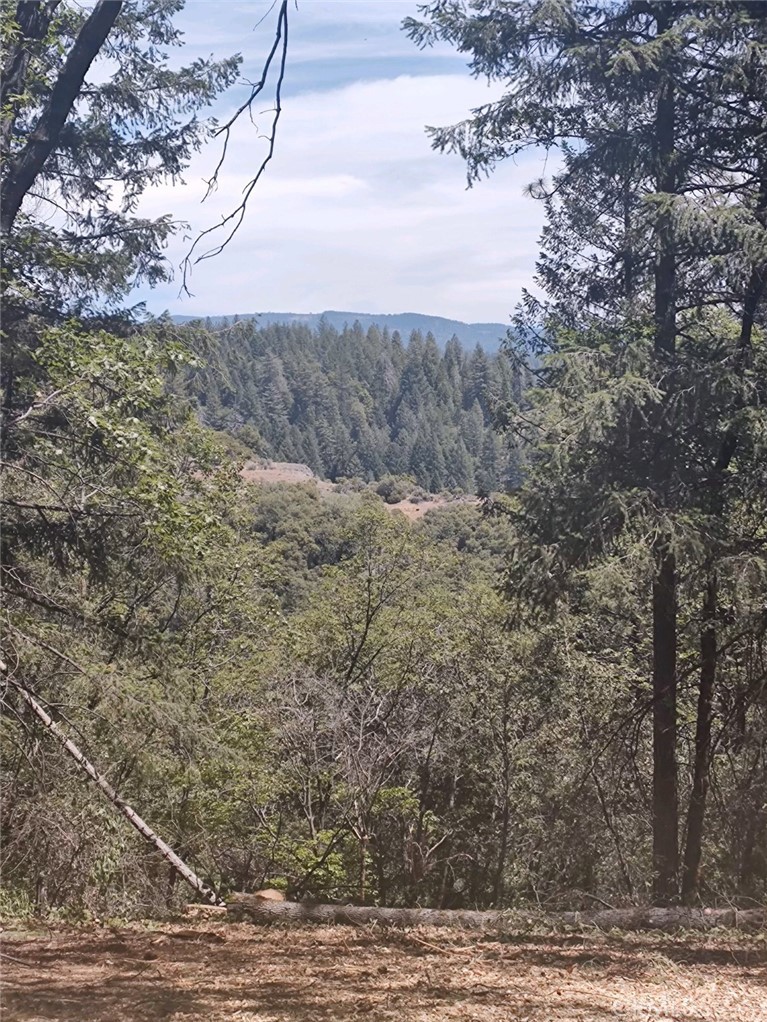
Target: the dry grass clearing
(271, 473)
(219, 972)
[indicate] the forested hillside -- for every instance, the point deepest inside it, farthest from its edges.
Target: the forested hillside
(360, 403)
(557, 698)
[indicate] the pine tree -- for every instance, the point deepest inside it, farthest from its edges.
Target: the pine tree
(460, 470)
(646, 423)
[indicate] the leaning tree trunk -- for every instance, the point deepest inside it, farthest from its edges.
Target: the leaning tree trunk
(114, 797)
(22, 170)
(252, 908)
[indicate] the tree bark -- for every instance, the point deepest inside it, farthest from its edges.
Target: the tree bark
(665, 810)
(500, 873)
(33, 19)
(24, 168)
(249, 907)
(114, 797)
(665, 252)
(697, 808)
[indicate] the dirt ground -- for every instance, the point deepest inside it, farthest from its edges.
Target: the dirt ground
(219, 972)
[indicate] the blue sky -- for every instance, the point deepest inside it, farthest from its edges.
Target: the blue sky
(356, 210)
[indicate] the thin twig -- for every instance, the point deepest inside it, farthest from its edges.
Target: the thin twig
(237, 215)
(17, 961)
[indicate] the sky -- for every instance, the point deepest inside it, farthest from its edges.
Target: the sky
(355, 211)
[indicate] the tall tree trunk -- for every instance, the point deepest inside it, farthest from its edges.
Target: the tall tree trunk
(708, 640)
(503, 851)
(665, 813)
(114, 797)
(33, 19)
(697, 808)
(665, 250)
(744, 351)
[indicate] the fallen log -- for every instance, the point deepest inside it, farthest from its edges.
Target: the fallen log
(251, 908)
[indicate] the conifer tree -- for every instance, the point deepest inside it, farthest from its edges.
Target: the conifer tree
(108, 480)
(650, 413)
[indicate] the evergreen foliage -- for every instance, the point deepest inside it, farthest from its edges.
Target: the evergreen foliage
(647, 430)
(104, 501)
(359, 403)
(496, 707)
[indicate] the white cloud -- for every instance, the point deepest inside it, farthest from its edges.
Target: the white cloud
(357, 212)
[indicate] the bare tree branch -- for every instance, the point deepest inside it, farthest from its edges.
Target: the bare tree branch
(232, 221)
(108, 791)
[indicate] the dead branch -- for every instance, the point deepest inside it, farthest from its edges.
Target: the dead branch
(232, 221)
(109, 792)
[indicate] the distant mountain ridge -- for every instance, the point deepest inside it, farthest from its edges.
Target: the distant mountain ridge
(488, 335)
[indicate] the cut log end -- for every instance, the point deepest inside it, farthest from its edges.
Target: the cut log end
(269, 894)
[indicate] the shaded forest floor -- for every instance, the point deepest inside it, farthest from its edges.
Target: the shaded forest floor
(239, 973)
